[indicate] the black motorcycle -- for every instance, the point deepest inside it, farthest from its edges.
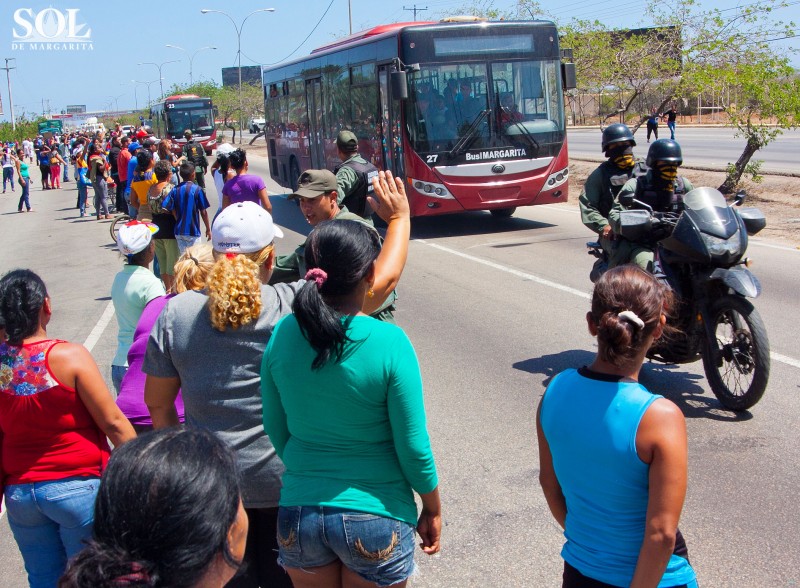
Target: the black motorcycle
(700, 253)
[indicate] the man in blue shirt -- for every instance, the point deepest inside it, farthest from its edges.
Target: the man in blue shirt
(187, 202)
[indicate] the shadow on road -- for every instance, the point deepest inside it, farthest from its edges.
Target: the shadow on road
(671, 381)
(287, 214)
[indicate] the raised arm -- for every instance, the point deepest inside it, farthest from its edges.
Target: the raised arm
(391, 204)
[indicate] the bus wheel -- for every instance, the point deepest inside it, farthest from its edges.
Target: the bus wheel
(503, 212)
(294, 174)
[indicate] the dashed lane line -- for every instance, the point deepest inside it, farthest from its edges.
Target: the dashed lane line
(785, 359)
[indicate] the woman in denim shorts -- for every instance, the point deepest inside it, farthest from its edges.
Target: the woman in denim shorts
(343, 406)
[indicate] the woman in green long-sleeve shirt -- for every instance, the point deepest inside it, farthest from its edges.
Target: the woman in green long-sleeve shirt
(343, 407)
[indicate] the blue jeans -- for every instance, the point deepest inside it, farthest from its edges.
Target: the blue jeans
(117, 374)
(83, 195)
(379, 549)
(186, 241)
(671, 127)
(8, 176)
(24, 198)
(51, 522)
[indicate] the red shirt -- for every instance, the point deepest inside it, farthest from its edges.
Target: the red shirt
(123, 159)
(46, 432)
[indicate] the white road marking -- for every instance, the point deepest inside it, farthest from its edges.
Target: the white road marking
(544, 282)
(508, 270)
(773, 246)
(98, 329)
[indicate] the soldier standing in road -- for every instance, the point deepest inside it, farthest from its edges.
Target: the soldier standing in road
(353, 176)
(194, 152)
(605, 182)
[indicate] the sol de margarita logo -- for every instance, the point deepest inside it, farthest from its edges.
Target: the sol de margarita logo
(50, 29)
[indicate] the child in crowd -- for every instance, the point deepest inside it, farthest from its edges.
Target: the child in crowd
(187, 202)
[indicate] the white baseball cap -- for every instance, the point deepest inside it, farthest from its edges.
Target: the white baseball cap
(135, 236)
(243, 227)
(225, 149)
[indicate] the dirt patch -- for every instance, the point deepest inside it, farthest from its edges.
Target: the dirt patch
(778, 197)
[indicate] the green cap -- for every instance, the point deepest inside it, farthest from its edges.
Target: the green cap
(313, 183)
(347, 142)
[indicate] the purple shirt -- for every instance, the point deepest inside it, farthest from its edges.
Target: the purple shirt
(244, 188)
(131, 393)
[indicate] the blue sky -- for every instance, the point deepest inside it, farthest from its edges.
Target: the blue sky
(124, 34)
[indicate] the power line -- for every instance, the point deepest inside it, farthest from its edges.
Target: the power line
(415, 10)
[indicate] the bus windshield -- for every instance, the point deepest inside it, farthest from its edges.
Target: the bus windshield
(198, 120)
(456, 108)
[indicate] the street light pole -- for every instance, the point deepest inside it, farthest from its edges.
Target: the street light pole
(10, 97)
(191, 58)
(148, 90)
(238, 53)
(160, 77)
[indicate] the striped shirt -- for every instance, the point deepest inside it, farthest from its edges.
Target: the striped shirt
(186, 200)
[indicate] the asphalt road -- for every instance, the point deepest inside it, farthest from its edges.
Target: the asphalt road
(701, 146)
(495, 308)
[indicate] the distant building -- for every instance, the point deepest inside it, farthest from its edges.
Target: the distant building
(251, 74)
(75, 109)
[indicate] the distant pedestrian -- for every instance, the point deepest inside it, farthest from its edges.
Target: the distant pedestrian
(8, 168)
(123, 158)
(188, 203)
(56, 161)
(63, 149)
(43, 159)
(652, 123)
(24, 179)
(672, 115)
(98, 174)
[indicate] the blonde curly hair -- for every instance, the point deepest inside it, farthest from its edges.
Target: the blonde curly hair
(234, 288)
(192, 268)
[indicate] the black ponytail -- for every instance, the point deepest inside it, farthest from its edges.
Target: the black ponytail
(344, 251)
(22, 295)
(238, 158)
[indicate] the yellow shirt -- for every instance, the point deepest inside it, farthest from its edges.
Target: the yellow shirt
(140, 187)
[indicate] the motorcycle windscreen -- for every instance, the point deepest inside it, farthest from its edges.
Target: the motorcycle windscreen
(710, 212)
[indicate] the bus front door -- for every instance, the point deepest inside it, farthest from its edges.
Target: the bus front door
(316, 122)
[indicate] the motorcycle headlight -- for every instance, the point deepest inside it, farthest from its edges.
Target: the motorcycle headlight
(722, 248)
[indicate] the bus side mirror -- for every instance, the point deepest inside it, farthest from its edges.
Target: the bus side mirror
(399, 85)
(568, 76)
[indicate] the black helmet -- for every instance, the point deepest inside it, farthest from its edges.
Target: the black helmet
(616, 133)
(664, 150)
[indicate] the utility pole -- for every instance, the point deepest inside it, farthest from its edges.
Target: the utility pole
(350, 14)
(415, 10)
(8, 69)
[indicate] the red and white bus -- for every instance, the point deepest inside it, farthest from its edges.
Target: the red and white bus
(471, 114)
(176, 114)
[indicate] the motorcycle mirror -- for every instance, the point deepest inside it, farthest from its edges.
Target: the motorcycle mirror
(643, 205)
(739, 199)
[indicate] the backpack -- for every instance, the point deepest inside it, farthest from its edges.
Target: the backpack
(156, 201)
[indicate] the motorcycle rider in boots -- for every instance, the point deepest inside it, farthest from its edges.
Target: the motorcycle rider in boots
(605, 182)
(661, 188)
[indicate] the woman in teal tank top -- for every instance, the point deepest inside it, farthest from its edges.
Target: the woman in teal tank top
(24, 181)
(613, 456)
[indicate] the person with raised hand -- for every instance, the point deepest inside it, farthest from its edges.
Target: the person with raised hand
(209, 345)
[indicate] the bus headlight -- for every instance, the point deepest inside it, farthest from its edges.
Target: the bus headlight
(556, 179)
(431, 189)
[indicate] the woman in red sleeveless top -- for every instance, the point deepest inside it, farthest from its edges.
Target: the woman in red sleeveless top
(55, 415)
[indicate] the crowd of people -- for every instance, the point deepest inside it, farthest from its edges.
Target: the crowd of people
(281, 428)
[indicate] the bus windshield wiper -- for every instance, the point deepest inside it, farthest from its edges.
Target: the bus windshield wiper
(469, 133)
(527, 134)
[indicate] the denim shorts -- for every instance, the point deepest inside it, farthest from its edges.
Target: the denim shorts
(377, 548)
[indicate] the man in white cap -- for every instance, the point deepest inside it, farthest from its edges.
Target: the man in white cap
(134, 286)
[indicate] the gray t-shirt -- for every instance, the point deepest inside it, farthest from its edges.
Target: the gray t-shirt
(220, 379)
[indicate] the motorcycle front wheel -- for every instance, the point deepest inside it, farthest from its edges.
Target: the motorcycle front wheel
(739, 369)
